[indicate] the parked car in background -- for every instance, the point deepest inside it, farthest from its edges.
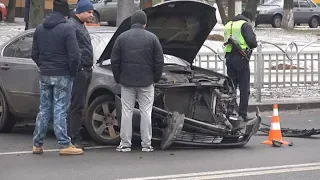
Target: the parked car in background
(105, 10)
(304, 11)
(3, 12)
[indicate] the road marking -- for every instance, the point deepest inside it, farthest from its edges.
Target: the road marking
(52, 150)
(237, 172)
(254, 173)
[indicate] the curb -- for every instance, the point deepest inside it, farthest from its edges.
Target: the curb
(297, 105)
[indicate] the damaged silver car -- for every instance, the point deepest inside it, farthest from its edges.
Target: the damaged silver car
(192, 106)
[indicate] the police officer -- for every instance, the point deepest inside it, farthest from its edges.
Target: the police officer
(240, 30)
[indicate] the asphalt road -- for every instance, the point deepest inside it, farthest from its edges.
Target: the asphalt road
(254, 161)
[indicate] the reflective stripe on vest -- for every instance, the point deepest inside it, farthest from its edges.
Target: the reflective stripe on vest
(236, 34)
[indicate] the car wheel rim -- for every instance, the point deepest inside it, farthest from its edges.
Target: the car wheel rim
(314, 22)
(104, 121)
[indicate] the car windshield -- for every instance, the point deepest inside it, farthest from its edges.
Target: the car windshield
(273, 2)
(100, 41)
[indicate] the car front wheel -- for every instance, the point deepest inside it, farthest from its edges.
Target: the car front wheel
(6, 121)
(314, 22)
(276, 22)
(101, 121)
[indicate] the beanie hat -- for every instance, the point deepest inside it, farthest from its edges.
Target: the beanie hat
(62, 7)
(248, 14)
(83, 6)
(139, 17)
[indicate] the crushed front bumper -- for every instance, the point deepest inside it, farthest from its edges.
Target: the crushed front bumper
(213, 135)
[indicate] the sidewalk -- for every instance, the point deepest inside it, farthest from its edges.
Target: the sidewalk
(285, 104)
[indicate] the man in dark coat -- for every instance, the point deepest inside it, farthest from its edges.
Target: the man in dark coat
(56, 52)
(137, 63)
(83, 14)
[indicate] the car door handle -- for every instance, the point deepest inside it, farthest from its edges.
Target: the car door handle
(5, 67)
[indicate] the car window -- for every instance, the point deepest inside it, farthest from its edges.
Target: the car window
(312, 4)
(296, 4)
(304, 4)
(21, 48)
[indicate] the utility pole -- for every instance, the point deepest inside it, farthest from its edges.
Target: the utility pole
(36, 13)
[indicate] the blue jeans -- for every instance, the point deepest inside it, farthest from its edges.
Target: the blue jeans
(55, 94)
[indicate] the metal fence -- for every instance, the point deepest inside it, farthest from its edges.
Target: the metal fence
(289, 66)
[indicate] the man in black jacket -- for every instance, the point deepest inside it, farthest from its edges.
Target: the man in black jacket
(84, 13)
(137, 63)
(56, 52)
(238, 69)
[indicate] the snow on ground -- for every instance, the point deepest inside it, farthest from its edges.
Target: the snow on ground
(9, 30)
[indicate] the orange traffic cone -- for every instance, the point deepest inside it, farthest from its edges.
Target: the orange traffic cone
(275, 135)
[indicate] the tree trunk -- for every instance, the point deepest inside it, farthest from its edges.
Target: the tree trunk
(145, 4)
(287, 19)
(11, 14)
(223, 15)
(252, 6)
(125, 9)
(36, 13)
(231, 9)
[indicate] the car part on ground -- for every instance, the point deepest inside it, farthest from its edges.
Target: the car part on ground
(290, 132)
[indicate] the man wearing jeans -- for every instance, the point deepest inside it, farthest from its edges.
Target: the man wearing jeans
(56, 52)
(137, 63)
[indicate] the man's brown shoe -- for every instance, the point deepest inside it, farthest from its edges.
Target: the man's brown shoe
(71, 150)
(37, 150)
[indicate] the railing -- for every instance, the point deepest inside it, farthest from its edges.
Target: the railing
(292, 66)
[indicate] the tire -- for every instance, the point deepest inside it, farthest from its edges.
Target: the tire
(314, 22)
(276, 21)
(6, 121)
(97, 117)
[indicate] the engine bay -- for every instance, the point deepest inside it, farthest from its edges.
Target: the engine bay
(198, 96)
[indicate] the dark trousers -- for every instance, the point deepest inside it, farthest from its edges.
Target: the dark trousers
(78, 98)
(241, 78)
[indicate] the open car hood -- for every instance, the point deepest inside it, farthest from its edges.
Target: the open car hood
(182, 26)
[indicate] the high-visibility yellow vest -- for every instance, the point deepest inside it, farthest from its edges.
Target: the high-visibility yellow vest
(235, 28)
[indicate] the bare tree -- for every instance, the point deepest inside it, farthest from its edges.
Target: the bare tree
(11, 11)
(287, 19)
(125, 9)
(231, 9)
(252, 6)
(222, 12)
(36, 13)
